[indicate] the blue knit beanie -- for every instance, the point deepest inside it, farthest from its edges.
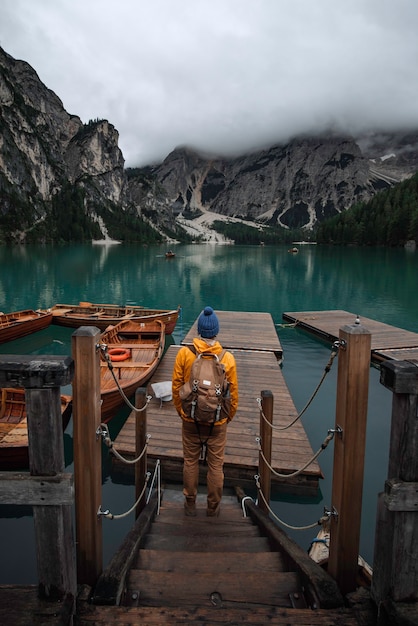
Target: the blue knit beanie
(208, 324)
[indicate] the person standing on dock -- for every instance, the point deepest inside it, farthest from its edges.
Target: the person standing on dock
(195, 435)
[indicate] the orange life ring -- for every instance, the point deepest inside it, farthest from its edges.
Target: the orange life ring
(119, 354)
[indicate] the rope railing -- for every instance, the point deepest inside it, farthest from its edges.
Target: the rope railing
(156, 477)
(108, 515)
(324, 445)
(103, 432)
(327, 369)
(322, 520)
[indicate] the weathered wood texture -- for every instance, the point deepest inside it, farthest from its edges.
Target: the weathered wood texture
(388, 342)
(251, 580)
(396, 558)
(323, 589)
(264, 458)
(243, 331)
(53, 523)
(87, 453)
(349, 451)
(21, 489)
(140, 449)
(21, 606)
(229, 535)
(111, 583)
(257, 616)
(257, 371)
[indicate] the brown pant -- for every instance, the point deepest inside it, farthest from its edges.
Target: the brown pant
(215, 460)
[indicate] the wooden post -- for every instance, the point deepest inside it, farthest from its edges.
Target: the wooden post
(395, 567)
(140, 441)
(266, 436)
(47, 488)
(349, 449)
(87, 453)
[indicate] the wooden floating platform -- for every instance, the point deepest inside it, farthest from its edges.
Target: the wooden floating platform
(258, 370)
(387, 342)
(244, 331)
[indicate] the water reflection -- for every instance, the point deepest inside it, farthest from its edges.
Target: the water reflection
(375, 283)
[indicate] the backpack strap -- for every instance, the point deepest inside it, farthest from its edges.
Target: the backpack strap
(220, 355)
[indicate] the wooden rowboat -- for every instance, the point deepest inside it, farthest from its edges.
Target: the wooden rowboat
(14, 428)
(135, 349)
(21, 323)
(104, 315)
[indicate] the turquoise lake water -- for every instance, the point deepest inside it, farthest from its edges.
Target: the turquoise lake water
(375, 283)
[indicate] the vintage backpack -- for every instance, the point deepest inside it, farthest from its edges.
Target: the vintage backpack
(205, 396)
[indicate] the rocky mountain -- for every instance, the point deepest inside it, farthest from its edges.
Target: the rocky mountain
(61, 179)
(293, 185)
(57, 175)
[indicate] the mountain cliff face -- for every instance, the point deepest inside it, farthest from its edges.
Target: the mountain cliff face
(49, 158)
(294, 185)
(62, 179)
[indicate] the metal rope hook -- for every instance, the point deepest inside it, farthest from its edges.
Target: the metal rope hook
(103, 432)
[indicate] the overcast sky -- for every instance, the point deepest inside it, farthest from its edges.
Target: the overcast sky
(223, 76)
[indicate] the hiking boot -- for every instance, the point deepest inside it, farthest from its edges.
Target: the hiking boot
(190, 508)
(213, 512)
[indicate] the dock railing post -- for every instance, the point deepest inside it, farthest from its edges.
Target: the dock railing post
(46, 487)
(87, 453)
(266, 419)
(349, 449)
(395, 566)
(140, 442)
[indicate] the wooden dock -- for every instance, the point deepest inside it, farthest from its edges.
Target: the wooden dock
(244, 331)
(388, 342)
(253, 340)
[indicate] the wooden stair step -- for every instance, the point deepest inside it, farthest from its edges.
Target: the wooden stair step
(206, 543)
(205, 528)
(204, 562)
(215, 616)
(227, 514)
(162, 588)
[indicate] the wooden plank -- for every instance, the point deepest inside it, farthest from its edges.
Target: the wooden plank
(401, 496)
(211, 614)
(243, 331)
(164, 588)
(206, 544)
(240, 529)
(193, 562)
(18, 488)
(256, 371)
(21, 605)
